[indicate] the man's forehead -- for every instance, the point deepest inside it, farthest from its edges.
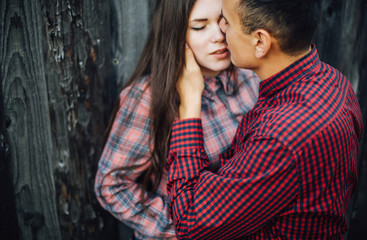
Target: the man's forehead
(229, 6)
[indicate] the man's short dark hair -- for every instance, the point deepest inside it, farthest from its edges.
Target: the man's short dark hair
(291, 22)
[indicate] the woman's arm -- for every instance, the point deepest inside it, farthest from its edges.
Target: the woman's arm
(117, 190)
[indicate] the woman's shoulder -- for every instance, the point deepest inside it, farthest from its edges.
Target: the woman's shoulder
(138, 90)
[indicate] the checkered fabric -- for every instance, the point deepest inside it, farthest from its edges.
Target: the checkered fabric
(129, 144)
(291, 169)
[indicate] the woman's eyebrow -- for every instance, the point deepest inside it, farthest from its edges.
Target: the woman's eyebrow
(199, 20)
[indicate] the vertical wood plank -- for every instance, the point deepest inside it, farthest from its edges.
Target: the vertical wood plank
(25, 101)
(77, 36)
(337, 37)
(8, 218)
(55, 63)
(130, 25)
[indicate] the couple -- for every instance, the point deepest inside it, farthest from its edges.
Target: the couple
(291, 168)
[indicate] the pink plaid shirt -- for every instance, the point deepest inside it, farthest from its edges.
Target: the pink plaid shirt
(128, 144)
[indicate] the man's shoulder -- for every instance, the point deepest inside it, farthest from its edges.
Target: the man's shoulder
(301, 111)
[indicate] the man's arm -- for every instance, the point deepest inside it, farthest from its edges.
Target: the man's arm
(252, 187)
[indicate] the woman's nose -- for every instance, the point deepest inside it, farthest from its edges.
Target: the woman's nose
(218, 35)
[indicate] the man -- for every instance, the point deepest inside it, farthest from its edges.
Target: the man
(292, 167)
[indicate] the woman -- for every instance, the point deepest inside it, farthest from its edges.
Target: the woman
(131, 180)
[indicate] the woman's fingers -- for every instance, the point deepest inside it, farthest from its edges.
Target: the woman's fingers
(190, 87)
(191, 64)
(191, 81)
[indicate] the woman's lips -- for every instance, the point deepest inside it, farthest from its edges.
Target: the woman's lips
(220, 53)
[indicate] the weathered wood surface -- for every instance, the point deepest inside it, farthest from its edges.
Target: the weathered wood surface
(8, 219)
(130, 20)
(338, 36)
(25, 99)
(55, 62)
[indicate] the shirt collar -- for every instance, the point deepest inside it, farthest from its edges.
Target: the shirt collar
(290, 74)
(224, 79)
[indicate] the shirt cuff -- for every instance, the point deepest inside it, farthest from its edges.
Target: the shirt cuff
(187, 134)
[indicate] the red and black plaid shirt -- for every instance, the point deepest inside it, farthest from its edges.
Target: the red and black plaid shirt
(291, 169)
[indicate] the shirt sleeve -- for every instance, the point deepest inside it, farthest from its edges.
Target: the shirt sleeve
(117, 189)
(249, 189)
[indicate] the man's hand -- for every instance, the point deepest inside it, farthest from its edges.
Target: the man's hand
(190, 87)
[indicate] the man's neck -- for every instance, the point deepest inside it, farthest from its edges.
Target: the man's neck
(275, 62)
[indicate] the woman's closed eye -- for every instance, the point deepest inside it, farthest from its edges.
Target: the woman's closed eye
(198, 28)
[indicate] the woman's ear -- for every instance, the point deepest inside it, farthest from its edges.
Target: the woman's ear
(262, 40)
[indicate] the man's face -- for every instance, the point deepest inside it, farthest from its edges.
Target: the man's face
(239, 44)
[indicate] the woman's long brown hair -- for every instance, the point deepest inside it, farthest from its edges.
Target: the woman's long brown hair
(163, 59)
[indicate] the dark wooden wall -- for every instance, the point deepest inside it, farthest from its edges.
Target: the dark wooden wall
(55, 64)
(62, 64)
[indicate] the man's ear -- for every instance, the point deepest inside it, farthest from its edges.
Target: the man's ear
(262, 42)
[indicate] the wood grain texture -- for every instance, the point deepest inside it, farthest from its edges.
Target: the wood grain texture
(338, 36)
(55, 65)
(8, 218)
(78, 65)
(25, 99)
(131, 20)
